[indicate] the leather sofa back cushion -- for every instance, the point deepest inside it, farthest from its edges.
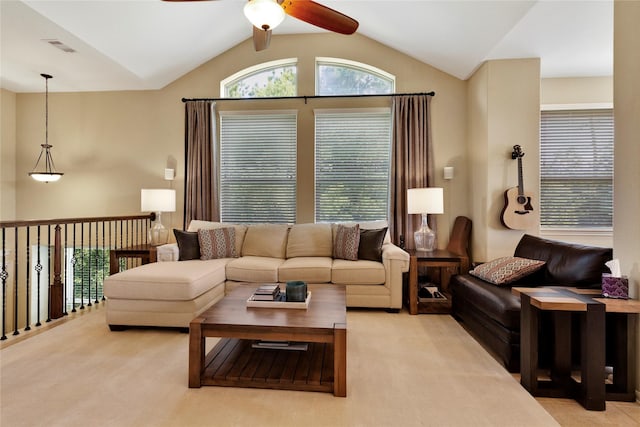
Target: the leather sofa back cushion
(197, 224)
(567, 263)
(309, 240)
(266, 240)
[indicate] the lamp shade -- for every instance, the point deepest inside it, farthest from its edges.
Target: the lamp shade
(157, 200)
(264, 14)
(425, 200)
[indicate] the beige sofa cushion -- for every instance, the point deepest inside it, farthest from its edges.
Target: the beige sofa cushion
(173, 280)
(266, 240)
(254, 269)
(357, 272)
(308, 269)
(241, 230)
(309, 240)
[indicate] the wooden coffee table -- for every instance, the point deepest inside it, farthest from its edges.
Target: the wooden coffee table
(234, 362)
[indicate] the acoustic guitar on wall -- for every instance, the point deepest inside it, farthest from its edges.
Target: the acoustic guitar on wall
(518, 211)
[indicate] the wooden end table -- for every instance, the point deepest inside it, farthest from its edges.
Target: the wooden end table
(447, 264)
(147, 253)
(234, 362)
(597, 316)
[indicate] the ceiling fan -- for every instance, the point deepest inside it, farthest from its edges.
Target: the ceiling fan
(265, 15)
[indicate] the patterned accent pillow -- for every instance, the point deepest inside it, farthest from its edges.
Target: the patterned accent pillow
(505, 270)
(217, 243)
(345, 245)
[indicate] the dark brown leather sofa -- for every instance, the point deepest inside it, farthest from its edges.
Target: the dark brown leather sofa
(492, 313)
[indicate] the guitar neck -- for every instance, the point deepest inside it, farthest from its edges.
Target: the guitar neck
(520, 181)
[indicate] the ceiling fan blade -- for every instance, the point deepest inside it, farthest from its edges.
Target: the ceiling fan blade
(320, 16)
(261, 38)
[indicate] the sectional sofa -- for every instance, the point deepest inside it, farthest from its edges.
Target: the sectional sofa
(210, 258)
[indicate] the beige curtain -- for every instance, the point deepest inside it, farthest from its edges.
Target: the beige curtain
(201, 189)
(411, 162)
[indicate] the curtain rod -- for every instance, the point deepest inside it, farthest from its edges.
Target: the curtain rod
(306, 97)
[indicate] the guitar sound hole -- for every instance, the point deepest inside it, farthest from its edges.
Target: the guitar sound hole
(522, 200)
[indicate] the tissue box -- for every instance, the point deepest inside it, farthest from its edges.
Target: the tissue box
(615, 287)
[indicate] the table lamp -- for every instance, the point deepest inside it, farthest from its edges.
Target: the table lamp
(158, 201)
(425, 201)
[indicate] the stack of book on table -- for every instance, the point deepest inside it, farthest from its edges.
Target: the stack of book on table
(270, 292)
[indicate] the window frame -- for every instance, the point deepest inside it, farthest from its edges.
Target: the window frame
(279, 219)
(564, 232)
(254, 70)
(367, 110)
(359, 66)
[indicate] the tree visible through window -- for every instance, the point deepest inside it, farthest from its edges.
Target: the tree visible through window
(342, 77)
(272, 79)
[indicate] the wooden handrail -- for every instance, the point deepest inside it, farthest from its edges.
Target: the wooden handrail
(29, 223)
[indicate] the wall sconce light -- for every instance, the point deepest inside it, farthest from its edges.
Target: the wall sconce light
(448, 172)
(49, 173)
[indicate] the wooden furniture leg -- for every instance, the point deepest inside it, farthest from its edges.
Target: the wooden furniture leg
(340, 360)
(196, 353)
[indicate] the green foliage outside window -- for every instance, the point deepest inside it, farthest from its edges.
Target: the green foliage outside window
(264, 84)
(90, 268)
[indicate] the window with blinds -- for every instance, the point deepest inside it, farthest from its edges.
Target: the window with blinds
(258, 167)
(576, 171)
(353, 151)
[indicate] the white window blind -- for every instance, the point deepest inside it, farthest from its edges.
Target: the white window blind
(353, 151)
(258, 167)
(576, 171)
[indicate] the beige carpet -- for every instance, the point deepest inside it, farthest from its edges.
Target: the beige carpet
(402, 370)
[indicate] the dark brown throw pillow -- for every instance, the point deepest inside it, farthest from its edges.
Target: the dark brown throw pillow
(188, 244)
(370, 247)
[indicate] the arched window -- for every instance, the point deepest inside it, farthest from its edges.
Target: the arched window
(269, 79)
(343, 77)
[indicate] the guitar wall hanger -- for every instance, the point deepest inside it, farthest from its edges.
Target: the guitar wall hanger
(518, 210)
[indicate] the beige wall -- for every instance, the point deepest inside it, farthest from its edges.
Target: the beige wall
(626, 68)
(112, 144)
(577, 90)
(504, 101)
(7, 154)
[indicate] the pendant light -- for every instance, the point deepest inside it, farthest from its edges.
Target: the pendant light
(49, 173)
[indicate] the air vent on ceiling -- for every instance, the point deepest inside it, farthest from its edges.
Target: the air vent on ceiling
(58, 44)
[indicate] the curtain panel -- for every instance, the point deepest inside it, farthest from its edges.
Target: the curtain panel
(201, 189)
(412, 163)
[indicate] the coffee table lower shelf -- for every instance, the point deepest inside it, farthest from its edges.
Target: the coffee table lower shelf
(235, 363)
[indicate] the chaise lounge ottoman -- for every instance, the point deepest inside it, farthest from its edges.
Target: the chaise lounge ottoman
(168, 294)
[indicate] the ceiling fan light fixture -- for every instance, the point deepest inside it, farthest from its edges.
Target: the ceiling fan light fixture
(264, 14)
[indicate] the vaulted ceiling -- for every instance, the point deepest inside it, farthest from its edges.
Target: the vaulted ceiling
(147, 44)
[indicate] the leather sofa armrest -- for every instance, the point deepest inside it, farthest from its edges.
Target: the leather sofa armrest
(168, 252)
